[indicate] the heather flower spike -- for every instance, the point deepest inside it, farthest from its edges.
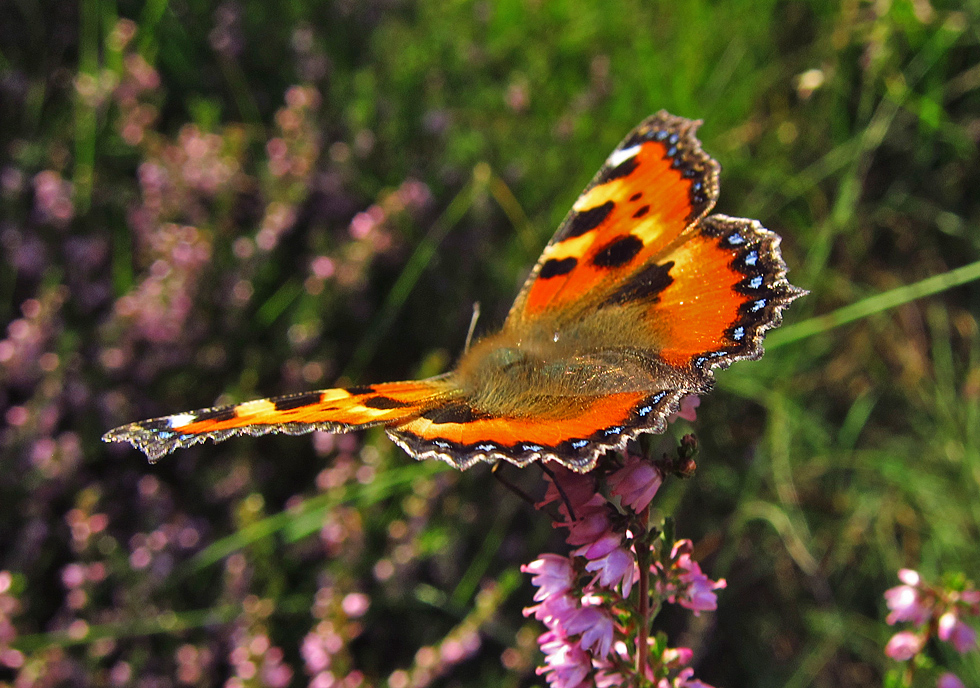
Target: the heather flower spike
(598, 603)
(934, 611)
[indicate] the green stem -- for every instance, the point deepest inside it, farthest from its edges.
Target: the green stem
(643, 562)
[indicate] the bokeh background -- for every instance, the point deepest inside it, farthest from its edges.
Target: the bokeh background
(209, 202)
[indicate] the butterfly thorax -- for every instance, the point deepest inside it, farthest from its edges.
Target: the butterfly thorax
(542, 369)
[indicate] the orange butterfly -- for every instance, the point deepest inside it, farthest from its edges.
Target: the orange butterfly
(636, 298)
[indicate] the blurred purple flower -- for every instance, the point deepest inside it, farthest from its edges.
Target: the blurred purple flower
(960, 635)
(949, 680)
(904, 645)
(685, 679)
(906, 605)
(52, 198)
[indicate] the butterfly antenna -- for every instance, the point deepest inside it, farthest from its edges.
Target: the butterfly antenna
(469, 335)
(564, 497)
(495, 471)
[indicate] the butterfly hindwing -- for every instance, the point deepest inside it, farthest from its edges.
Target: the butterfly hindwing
(725, 287)
(586, 429)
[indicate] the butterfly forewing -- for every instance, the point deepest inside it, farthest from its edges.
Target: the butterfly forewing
(330, 410)
(651, 190)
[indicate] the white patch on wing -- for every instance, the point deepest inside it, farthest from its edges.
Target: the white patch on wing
(180, 420)
(618, 157)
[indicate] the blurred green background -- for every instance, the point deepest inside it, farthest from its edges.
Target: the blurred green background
(213, 202)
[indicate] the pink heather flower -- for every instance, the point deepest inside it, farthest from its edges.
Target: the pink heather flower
(906, 605)
(699, 594)
(551, 574)
(955, 632)
(314, 653)
(686, 679)
(596, 628)
(590, 528)
(579, 488)
(677, 657)
(909, 577)
(617, 567)
(972, 598)
(608, 679)
(904, 645)
(688, 408)
(607, 543)
(73, 575)
(636, 483)
(567, 665)
(553, 611)
(949, 680)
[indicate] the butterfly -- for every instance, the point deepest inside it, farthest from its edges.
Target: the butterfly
(636, 298)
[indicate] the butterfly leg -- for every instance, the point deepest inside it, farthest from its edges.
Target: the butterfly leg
(495, 471)
(557, 484)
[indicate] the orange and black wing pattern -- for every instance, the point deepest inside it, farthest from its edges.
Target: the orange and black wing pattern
(636, 298)
(637, 247)
(461, 435)
(329, 410)
(649, 194)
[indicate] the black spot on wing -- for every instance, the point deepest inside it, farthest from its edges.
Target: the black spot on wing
(557, 268)
(641, 212)
(637, 196)
(295, 401)
(384, 403)
(457, 412)
(358, 391)
(623, 169)
(619, 251)
(217, 415)
(585, 221)
(645, 285)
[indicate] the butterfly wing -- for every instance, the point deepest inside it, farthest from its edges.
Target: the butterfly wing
(636, 298)
(330, 410)
(644, 200)
(642, 294)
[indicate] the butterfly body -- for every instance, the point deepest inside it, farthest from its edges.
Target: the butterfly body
(636, 298)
